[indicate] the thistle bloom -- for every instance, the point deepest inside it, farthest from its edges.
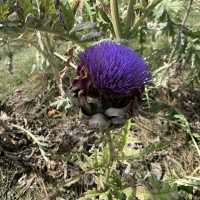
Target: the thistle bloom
(112, 72)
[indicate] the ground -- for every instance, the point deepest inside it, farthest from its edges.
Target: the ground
(49, 156)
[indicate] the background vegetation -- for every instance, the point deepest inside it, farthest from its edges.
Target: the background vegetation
(48, 152)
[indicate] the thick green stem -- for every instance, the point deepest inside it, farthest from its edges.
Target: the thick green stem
(111, 156)
(130, 14)
(115, 18)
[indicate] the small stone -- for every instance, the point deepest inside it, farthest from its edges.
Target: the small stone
(116, 112)
(13, 17)
(99, 121)
(118, 120)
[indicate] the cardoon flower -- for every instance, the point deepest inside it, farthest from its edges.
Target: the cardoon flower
(112, 73)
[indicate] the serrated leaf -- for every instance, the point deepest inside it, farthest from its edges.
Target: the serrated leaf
(90, 36)
(84, 26)
(172, 7)
(62, 103)
(104, 17)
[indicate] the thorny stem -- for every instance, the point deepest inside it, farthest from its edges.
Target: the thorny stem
(115, 18)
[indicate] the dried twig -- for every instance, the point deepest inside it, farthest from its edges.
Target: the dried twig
(35, 140)
(24, 190)
(64, 71)
(60, 83)
(65, 60)
(43, 186)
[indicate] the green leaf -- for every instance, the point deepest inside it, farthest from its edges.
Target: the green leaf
(89, 10)
(171, 7)
(125, 133)
(4, 10)
(84, 26)
(68, 15)
(62, 103)
(27, 7)
(47, 7)
(129, 192)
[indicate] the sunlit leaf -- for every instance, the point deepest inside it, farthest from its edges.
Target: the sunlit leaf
(171, 7)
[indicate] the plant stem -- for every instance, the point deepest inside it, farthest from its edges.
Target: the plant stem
(115, 18)
(38, 7)
(130, 14)
(111, 156)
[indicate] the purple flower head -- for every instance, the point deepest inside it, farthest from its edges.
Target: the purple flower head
(112, 70)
